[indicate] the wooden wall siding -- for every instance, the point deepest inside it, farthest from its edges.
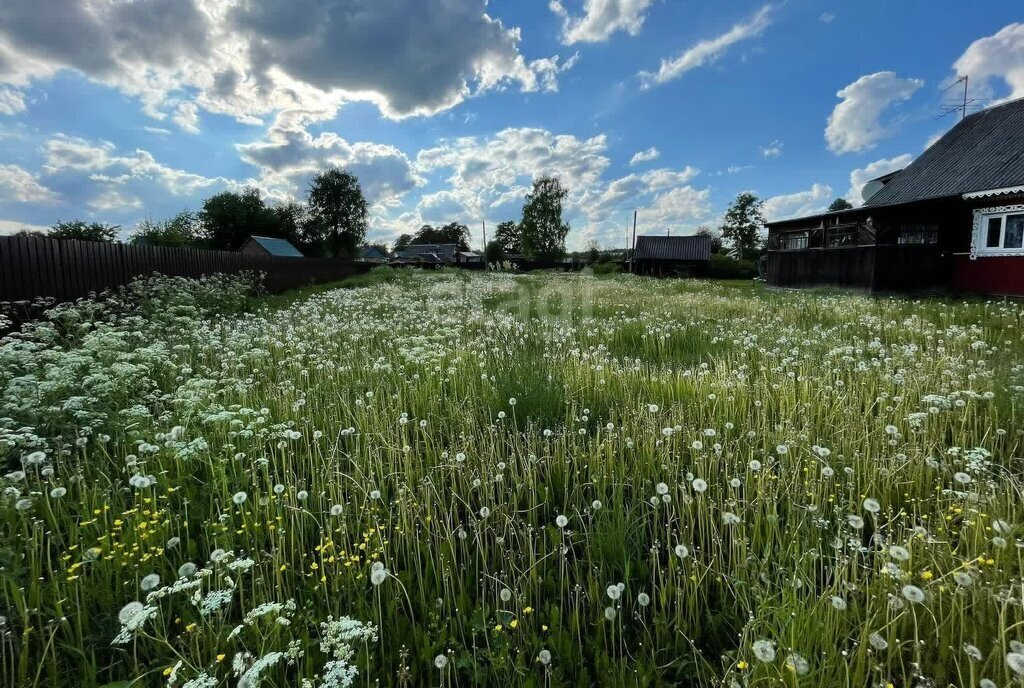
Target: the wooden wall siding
(841, 267)
(31, 267)
(872, 268)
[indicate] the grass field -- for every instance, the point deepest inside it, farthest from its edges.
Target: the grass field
(465, 479)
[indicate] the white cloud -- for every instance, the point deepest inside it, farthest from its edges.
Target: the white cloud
(21, 186)
(11, 101)
(65, 154)
(996, 58)
(676, 209)
(855, 123)
(772, 150)
(601, 18)
(861, 176)
(814, 200)
(253, 58)
(114, 199)
(645, 156)
(709, 50)
(187, 117)
(13, 227)
(289, 156)
(485, 171)
(827, 17)
(547, 70)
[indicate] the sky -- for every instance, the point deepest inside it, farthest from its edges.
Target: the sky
(446, 110)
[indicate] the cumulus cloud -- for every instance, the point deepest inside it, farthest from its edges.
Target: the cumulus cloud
(102, 163)
(862, 175)
(547, 70)
(814, 200)
(114, 199)
(856, 122)
(772, 150)
(289, 156)
(709, 50)
(994, 59)
(251, 58)
(676, 209)
(645, 156)
(600, 19)
(21, 186)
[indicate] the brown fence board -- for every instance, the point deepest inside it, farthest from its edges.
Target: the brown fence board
(68, 270)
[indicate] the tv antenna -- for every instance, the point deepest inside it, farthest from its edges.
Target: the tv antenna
(950, 108)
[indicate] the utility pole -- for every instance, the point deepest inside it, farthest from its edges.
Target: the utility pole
(963, 113)
(483, 223)
(632, 250)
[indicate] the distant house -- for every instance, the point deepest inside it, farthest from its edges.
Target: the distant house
(672, 255)
(270, 246)
(374, 254)
(952, 220)
(432, 253)
(469, 258)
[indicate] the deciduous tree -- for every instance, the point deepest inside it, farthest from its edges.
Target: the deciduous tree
(743, 223)
(338, 211)
(85, 231)
(542, 228)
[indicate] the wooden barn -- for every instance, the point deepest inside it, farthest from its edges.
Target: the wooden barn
(953, 220)
(684, 256)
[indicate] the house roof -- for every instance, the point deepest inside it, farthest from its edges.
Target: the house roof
(372, 250)
(984, 151)
(673, 248)
(413, 250)
(277, 247)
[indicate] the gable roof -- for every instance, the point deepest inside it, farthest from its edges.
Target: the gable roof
(673, 248)
(984, 151)
(368, 251)
(277, 247)
(442, 250)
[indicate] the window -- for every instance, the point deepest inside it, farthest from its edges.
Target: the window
(847, 236)
(793, 241)
(999, 231)
(926, 235)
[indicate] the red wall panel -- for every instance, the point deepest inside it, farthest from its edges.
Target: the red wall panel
(1000, 275)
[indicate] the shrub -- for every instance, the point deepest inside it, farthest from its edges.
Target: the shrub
(724, 267)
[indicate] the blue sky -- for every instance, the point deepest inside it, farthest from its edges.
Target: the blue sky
(115, 111)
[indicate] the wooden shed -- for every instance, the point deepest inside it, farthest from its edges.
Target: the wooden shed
(683, 256)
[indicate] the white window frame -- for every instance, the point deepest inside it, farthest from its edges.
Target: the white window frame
(979, 238)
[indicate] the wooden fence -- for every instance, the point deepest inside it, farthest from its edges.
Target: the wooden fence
(65, 270)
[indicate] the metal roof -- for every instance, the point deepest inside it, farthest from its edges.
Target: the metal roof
(673, 248)
(413, 250)
(277, 247)
(984, 151)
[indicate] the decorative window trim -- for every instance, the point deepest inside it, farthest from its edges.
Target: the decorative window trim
(979, 234)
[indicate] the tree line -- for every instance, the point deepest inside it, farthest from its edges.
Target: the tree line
(331, 223)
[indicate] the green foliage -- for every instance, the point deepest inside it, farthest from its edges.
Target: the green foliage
(509, 237)
(403, 242)
(542, 228)
(725, 267)
(338, 212)
(607, 268)
(180, 231)
(84, 231)
(229, 218)
(743, 223)
(716, 238)
(451, 233)
(839, 204)
(494, 252)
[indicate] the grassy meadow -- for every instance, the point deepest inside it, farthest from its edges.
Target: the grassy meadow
(461, 479)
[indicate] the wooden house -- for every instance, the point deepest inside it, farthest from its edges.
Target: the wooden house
(953, 220)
